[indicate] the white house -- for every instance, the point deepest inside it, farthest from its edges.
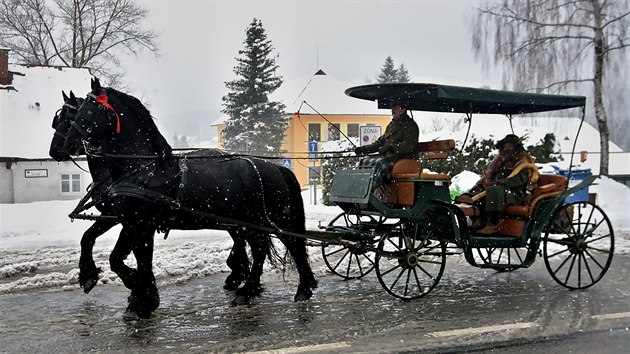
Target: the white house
(29, 98)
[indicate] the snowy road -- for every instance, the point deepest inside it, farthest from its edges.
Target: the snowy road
(470, 308)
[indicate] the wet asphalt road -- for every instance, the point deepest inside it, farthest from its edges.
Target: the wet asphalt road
(470, 310)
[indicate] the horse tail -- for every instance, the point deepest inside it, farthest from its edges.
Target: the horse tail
(296, 204)
(297, 245)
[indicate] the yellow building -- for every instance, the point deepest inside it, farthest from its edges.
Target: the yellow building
(319, 104)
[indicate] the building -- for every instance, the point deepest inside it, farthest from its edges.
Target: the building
(321, 113)
(29, 98)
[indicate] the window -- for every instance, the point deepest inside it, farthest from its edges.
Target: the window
(70, 183)
(314, 131)
(333, 131)
(353, 130)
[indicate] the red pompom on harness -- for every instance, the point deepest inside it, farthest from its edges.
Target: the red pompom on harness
(102, 99)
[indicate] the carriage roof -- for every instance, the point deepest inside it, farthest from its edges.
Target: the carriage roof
(457, 99)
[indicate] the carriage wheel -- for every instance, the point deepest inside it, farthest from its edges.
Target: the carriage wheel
(349, 262)
(504, 259)
(578, 245)
(408, 264)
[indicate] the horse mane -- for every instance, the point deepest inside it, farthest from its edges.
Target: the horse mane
(144, 118)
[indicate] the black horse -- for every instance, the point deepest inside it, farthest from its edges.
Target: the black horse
(237, 261)
(152, 190)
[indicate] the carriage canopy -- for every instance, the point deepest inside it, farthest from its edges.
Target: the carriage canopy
(457, 99)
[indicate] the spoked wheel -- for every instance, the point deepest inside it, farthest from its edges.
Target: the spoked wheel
(346, 261)
(500, 259)
(408, 264)
(504, 259)
(578, 245)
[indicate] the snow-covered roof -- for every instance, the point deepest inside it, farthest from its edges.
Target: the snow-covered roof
(324, 93)
(26, 113)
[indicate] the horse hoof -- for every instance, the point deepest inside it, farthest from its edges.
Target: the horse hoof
(303, 295)
(88, 285)
(231, 285)
(240, 300)
(130, 315)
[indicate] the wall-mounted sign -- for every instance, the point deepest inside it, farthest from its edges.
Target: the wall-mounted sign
(369, 134)
(36, 173)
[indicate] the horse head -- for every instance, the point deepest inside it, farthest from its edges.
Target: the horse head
(61, 124)
(110, 119)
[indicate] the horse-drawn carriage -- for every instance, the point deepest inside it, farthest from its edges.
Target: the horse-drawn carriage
(406, 238)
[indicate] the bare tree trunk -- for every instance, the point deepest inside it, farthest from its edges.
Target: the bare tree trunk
(600, 112)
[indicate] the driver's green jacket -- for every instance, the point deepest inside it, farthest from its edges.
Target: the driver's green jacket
(400, 140)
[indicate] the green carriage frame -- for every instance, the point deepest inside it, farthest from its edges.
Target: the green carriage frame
(408, 245)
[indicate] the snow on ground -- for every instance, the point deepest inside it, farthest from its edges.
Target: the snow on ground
(39, 245)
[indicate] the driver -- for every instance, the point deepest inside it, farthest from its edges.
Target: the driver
(502, 191)
(400, 141)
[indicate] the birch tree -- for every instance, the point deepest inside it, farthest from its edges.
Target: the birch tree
(75, 33)
(556, 46)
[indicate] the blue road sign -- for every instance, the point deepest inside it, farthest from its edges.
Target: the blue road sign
(287, 163)
(312, 151)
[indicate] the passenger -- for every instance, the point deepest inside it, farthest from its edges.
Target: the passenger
(502, 191)
(400, 141)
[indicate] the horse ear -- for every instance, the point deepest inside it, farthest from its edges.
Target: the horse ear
(72, 96)
(65, 98)
(96, 84)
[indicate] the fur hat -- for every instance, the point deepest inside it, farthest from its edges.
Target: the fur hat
(512, 139)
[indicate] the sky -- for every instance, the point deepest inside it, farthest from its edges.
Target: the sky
(200, 39)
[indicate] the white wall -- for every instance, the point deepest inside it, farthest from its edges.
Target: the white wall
(30, 189)
(6, 184)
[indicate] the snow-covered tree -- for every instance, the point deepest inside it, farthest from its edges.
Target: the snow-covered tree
(559, 46)
(389, 73)
(255, 125)
(403, 75)
(75, 33)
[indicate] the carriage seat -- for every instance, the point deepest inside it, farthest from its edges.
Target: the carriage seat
(547, 186)
(434, 149)
(403, 191)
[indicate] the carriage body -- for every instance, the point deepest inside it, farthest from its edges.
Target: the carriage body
(412, 231)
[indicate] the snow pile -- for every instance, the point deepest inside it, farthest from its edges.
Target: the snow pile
(614, 198)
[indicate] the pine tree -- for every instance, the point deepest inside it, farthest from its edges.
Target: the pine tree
(255, 124)
(402, 76)
(388, 73)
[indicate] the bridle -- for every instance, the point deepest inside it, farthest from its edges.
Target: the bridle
(102, 103)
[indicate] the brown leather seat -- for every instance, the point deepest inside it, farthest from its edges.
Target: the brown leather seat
(548, 186)
(403, 192)
(406, 168)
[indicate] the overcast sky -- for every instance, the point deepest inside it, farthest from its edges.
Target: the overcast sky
(347, 39)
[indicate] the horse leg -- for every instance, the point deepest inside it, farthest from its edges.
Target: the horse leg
(260, 246)
(122, 249)
(145, 297)
(88, 272)
(238, 261)
(297, 248)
